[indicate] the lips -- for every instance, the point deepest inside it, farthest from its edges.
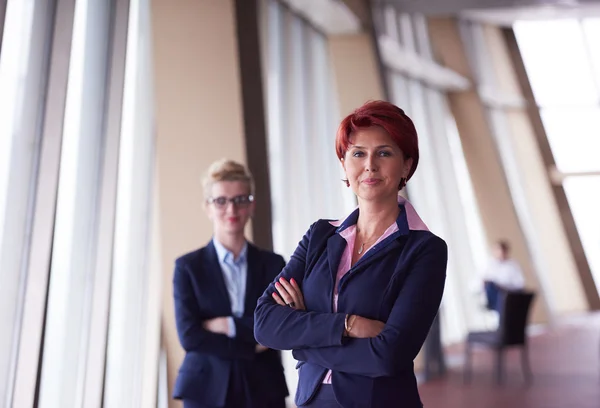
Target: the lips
(371, 181)
(233, 219)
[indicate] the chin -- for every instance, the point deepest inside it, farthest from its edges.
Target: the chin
(235, 230)
(377, 195)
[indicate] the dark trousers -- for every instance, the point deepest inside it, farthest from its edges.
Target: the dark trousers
(435, 364)
(239, 396)
(273, 404)
(493, 296)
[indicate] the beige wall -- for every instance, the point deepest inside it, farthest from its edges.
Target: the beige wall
(198, 120)
(483, 160)
(355, 70)
(559, 270)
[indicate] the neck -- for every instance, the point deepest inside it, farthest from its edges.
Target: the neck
(375, 217)
(232, 242)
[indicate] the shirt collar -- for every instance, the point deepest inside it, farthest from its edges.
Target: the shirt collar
(408, 219)
(226, 255)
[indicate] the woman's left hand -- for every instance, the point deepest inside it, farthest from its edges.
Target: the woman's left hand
(289, 294)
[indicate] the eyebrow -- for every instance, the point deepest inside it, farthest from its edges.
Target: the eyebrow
(362, 147)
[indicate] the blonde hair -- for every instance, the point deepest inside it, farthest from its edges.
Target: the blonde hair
(226, 170)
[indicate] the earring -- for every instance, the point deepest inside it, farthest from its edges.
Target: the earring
(402, 183)
(347, 183)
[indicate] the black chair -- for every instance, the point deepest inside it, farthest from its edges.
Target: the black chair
(511, 332)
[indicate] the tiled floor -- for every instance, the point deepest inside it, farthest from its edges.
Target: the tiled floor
(566, 368)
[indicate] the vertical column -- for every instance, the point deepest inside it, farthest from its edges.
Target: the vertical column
(71, 288)
(2, 17)
(565, 241)
(43, 213)
(99, 314)
(198, 119)
(483, 161)
(24, 69)
(255, 129)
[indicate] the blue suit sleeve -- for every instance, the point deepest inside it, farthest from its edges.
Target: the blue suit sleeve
(407, 326)
(188, 318)
(283, 328)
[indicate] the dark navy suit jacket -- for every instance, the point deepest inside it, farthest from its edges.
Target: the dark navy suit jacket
(400, 282)
(200, 294)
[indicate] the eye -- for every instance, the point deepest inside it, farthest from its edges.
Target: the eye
(220, 201)
(358, 153)
(385, 153)
(241, 199)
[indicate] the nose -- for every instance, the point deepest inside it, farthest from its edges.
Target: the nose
(230, 207)
(371, 164)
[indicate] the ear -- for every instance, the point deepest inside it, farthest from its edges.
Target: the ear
(208, 210)
(407, 166)
(343, 163)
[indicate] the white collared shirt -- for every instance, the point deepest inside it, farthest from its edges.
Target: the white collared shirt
(235, 274)
(506, 274)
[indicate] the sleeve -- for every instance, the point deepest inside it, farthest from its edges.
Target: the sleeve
(232, 330)
(188, 318)
(283, 328)
(407, 326)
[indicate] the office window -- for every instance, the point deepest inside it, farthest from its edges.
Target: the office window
(562, 59)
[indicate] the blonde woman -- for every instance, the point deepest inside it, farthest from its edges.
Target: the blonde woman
(215, 290)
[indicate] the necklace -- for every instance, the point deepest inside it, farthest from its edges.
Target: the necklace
(362, 245)
(360, 250)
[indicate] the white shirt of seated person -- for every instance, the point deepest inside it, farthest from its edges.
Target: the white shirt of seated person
(504, 271)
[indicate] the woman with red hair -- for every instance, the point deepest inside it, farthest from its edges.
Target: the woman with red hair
(357, 299)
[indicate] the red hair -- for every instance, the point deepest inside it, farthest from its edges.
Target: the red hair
(387, 116)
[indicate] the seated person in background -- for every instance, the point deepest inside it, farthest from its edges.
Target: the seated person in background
(502, 274)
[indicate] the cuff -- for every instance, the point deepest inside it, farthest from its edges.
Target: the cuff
(231, 324)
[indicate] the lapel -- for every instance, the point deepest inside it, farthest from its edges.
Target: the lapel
(335, 248)
(386, 247)
(215, 278)
(372, 256)
(254, 274)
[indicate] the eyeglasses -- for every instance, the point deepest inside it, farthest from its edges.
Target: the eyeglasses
(240, 201)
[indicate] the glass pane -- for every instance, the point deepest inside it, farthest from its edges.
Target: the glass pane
(574, 136)
(591, 28)
(583, 194)
(557, 62)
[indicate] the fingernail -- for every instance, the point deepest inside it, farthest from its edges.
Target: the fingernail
(293, 280)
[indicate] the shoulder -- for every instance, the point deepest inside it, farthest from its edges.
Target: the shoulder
(191, 258)
(512, 263)
(322, 228)
(426, 242)
(426, 238)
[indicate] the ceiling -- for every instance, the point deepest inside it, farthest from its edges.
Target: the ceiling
(453, 7)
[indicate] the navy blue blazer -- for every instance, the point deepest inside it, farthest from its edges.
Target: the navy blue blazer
(399, 281)
(200, 294)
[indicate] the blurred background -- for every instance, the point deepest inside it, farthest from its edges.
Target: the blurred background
(111, 110)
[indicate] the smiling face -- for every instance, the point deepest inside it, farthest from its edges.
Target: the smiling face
(229, 218)
(374, 164)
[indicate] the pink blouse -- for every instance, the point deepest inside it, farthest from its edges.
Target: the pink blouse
(349, 234)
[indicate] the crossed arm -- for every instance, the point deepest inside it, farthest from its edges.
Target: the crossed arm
(209, 336)
(318, 338)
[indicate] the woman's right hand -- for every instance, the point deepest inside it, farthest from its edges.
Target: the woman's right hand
(363, 328)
